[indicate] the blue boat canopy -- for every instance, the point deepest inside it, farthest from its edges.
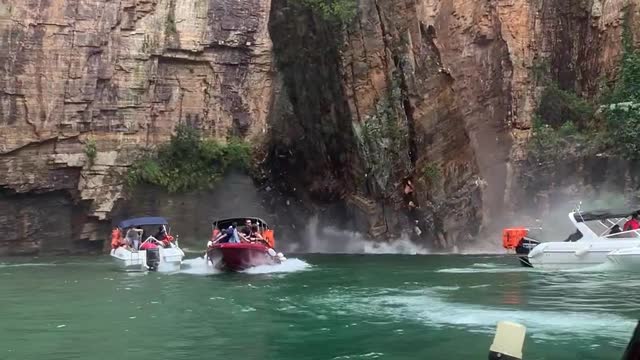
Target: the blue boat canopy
(142, 221)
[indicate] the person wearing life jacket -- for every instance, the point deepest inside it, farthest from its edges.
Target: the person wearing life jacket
(632, 224)
(149, 245)
(116, 238)
(163, 237)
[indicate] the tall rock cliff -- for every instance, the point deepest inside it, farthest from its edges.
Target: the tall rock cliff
(408, 111)
(460, 79)
(109, 77)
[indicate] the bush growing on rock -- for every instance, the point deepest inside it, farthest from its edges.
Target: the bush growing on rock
(189, 161)
(341, 11)
(91, 151)
(622, 106)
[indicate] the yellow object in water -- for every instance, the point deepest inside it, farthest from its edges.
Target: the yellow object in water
(509, 339)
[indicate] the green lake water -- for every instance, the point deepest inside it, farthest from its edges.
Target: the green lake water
(312, 307)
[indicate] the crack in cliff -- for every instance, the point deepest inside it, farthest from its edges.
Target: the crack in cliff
(353, 84)
(73, 44)
(385, 39)
(32, 124)
(408, 111)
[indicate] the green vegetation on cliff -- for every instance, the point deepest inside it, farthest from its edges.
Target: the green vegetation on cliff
(189, 161)
(342, 11)
(383, 139)
(567, 123)
(90, 151)
(622, 106)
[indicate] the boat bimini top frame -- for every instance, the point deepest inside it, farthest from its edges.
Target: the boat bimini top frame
(602, 221)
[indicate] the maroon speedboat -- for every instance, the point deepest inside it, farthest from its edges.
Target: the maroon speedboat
(225, 253)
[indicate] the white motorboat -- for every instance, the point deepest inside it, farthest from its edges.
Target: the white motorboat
(152, 254)
(597, 241)
(628, 258)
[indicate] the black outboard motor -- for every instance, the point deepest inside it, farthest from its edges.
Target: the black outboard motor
(153, 259)
(633, 348)
(524, 247)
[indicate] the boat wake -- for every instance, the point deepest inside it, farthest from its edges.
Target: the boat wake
(430, 308)
(5, 265)
(485, 268)
(199, 266)
(287, 266)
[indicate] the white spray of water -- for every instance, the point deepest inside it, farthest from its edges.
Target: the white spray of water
(287, 266)
(332, 240)
(199, 266)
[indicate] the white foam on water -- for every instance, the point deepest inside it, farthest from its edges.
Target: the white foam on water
(446, 288)
(371, 355)
(433, 310)
(287, 266)
(474, 270)
(198, 266)
(4, 265)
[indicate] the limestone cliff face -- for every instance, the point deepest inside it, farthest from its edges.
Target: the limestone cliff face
(466, 72)
(440, 92)
(120, 74)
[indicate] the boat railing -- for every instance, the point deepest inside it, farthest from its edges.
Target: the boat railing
(623, 234)
(607, 224)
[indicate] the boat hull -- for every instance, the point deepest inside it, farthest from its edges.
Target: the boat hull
(579, 254)
(169, 259)
(238, 257)
(628, 258)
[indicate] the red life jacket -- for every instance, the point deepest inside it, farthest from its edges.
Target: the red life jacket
(632, 224)
(148, 245)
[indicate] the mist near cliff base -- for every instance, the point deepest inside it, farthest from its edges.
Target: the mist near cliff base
(323, 239)
(548, 217)
(299, 230)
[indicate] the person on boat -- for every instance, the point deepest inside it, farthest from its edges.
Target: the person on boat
(161, 234)
(632, 224)
(232, 234)
(615, 229)
(223, 236)
(255, 234)
(133, 237)
(246, 229)
(574, 237)
(116, 238)
(163, 237)
(150, 244)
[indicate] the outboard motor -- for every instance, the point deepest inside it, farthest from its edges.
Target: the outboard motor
(516, 239)
(153, 259)
(525, 245)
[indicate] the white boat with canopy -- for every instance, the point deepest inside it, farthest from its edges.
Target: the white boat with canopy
(160, 252)
(598, 240)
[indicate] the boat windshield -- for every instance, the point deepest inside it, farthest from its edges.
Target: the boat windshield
(611, 228)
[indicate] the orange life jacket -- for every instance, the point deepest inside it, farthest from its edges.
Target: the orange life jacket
(116, 239)
(269, 238)
(511, 237)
